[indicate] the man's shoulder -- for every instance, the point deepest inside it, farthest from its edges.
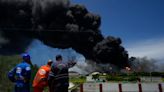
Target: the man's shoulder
(54, 63)
(57, 63)
(26, 64)
(20, 64)
(45, 66)
(23, 65)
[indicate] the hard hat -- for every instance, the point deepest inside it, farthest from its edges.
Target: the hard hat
(25, 56)
(49, 62)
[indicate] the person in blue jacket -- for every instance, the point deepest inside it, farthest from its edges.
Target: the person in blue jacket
(21, 74)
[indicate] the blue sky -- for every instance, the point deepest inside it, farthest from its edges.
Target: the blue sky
(139, 23)
(132, 20)
(40, 53)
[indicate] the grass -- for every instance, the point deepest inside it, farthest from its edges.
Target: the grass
(77, 80)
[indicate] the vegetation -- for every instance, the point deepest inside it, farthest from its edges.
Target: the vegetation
(96, 76)
(118, 78)
(154, 74)
(78, 80)
(133, 77)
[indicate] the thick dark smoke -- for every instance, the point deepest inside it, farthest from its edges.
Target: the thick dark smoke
(110, 50)
(15, 19)
(58, 24)
(14, 43)
(3, 40)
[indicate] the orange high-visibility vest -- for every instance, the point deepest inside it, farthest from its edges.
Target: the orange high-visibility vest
(41, 76)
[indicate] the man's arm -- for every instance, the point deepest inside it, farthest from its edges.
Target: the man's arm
(11, 74)
(71, 64)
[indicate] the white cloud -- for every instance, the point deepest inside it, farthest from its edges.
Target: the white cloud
(152, 48)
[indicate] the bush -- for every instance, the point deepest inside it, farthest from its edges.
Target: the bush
(114, 78)
(77, 80)
(96, 76)
(121, 78)
(133, 78)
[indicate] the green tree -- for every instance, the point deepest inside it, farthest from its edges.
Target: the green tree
(95, 76)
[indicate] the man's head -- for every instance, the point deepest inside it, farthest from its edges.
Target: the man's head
(49, 62)
(58, 58)
(26, 58)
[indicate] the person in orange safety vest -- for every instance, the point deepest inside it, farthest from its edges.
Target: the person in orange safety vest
(40, 81)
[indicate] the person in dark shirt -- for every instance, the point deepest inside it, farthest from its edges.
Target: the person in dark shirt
(58, 77)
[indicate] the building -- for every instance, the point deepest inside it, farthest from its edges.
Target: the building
(74, 74)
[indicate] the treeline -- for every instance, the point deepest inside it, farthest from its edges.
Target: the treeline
(133, 76)
(153, 74)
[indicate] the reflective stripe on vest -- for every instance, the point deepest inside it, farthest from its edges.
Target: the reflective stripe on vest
(60, 76)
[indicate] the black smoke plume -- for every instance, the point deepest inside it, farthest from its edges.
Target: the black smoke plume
(110, 50)
(58, 24)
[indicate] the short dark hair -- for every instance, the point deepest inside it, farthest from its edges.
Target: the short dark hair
(58, 57)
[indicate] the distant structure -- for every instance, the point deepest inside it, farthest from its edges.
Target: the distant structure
(74, 74)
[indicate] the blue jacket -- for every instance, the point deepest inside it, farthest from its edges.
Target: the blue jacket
(20, 74)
